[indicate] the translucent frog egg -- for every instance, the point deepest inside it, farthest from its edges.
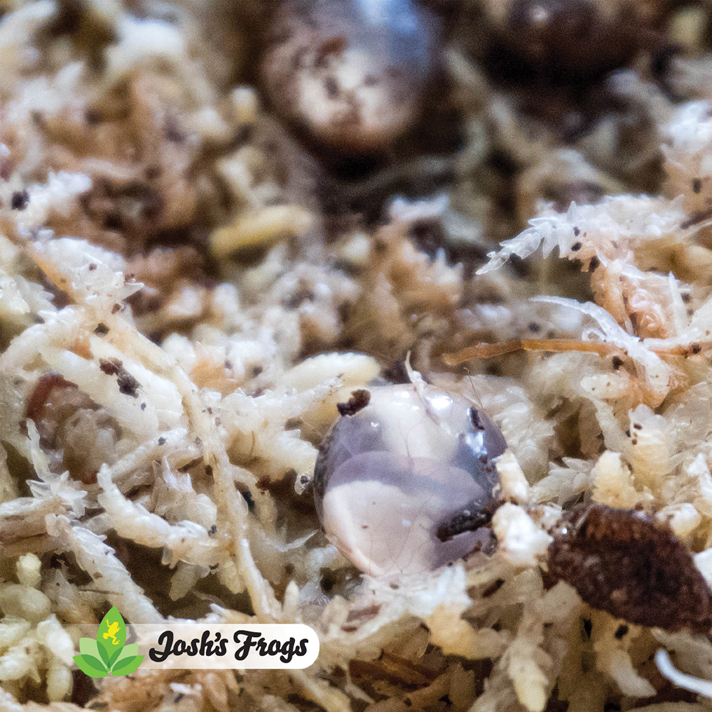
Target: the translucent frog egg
(349, 72)
(411, 465)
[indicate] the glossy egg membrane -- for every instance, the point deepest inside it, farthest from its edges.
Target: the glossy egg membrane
(390, 476)
(350, 72)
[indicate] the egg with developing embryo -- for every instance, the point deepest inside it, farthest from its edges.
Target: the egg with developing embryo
(350, 73)
(402, 483)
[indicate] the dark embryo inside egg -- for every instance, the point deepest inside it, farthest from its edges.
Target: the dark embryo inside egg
(393, 474)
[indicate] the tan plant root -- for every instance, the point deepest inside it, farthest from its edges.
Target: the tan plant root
(485, 350)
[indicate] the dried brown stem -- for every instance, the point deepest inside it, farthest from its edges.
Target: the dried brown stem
(507, 347)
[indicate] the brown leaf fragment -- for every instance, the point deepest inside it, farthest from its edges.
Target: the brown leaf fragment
(360, 398)
(128, 385)
(110, 367)
(393, 669)
(624, 562)
(40, 393)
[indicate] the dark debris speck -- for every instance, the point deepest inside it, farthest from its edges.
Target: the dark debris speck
(622, 631)
(20, 200)
(360, 398)
(128, 385)
(476, 420)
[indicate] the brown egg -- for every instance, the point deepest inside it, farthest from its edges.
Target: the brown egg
(350, 73)
(577, 39)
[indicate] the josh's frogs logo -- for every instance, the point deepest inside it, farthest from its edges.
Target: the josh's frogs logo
(179, 645)
(108, 654)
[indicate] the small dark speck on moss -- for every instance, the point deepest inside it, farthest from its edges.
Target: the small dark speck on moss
(20, 200)
(250, 501)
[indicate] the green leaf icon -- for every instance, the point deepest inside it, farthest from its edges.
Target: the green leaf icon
(88, 646)
(111, 636)
(90, 665)
(109, 649)
(128, 652)
(127, 665)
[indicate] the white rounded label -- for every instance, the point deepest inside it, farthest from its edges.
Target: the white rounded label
(182, 646)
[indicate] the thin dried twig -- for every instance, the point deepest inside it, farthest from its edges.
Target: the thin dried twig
(485, 350)
(604, 349)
